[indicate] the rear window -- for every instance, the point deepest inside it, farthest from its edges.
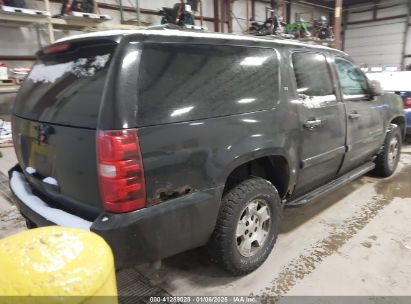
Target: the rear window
(66, 88)
(188, 82)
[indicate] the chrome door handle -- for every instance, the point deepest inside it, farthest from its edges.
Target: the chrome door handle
(354, 116)
(311, 124)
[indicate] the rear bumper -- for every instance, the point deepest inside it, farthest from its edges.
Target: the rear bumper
(135, 237)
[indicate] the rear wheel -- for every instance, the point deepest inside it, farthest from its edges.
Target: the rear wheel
(247, 226)
(387, 160)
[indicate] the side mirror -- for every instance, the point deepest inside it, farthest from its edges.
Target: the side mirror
(375, 88)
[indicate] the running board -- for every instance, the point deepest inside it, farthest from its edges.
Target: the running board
(331, 186)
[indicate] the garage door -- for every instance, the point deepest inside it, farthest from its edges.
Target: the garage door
(376, 43)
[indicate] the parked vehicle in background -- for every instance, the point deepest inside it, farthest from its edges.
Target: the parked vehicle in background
(400, 84)
(162, 141)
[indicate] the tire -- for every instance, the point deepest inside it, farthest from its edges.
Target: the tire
(387, 160)
(232, 245)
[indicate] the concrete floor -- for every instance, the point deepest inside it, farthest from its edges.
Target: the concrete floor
(354, 242)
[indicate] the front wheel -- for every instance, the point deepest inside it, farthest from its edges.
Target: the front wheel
(247, 226)
(387, 160)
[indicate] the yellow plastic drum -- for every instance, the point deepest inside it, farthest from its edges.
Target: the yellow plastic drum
(56, 265)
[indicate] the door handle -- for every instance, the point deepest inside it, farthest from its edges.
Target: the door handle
(312, 124)
(354, 115)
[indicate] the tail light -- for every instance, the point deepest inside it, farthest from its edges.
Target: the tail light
(120, 169)
(407, 102)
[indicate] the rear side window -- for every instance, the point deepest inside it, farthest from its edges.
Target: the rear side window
(187, 82)
(66, 88)
(312, 74)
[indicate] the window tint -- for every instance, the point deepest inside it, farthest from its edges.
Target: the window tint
(66, 88)
(352, 79)
(312, 74)
(186, 82)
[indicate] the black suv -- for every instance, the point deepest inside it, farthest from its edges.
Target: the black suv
(163, 140)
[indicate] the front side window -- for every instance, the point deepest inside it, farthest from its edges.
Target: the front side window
(312, 75)
(352, 80)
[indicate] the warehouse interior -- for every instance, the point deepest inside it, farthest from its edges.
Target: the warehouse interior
(351, 245)
(381, 24)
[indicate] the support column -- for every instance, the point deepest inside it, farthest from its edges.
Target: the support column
(216, 17)
(375, 9)
(229, 16)
(344, 30)
(337, 23)
(405, 40)
(201, 13)
(288, 12)
(138, 12)
(121, 11)
(222, 14)
(49, 23)
(247, 22)
(273, 5)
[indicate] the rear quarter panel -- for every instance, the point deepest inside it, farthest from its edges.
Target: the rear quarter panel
(192, 156)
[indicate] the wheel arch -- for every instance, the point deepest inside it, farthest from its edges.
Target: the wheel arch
(272, 167)
(400, 121)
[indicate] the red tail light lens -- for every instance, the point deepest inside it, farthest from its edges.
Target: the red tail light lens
(407, 102)
(120, 168)
(56, 48)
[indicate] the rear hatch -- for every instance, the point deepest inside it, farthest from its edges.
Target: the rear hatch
(55, 120)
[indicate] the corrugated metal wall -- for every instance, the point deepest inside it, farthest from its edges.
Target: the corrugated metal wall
(380, 42)
(371, 43)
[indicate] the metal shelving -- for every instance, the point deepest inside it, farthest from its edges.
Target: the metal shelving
(27, 17)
